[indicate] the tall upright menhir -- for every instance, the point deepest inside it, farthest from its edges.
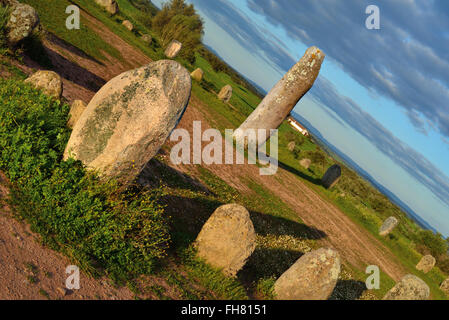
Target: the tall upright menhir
(284, 96)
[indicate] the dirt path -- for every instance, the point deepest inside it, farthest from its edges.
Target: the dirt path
(354, 243)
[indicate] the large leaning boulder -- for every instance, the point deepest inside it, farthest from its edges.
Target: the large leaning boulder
(48, 82)
(409, 288)
(76, 110)
(388, 226)
(227, 239)
(110, 6)
(173, 49)
(225, 93)
(426, 264)
(313, 277)
(331, 176)
(21, 24)
(130, 118)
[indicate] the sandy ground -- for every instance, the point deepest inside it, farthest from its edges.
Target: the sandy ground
(83, 76)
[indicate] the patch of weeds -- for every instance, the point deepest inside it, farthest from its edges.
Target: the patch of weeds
(44, 293)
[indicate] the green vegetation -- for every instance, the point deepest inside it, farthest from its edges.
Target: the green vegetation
(4, 16)
(99, 227)
(179, 21)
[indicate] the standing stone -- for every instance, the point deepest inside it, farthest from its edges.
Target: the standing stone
(409, 288)
(445, 286)
(147, 39)
(388, 226)
(197, 74)
(130, 118)
(173, 49)
(313, 277)
(291, 146)
(284, 96)
(76, 110)
(225, 94)
(21, 24)
(227, 239)
(110, 6)
(305, 163)
(48, 81)
(128, 25)
(331, 176)
(426, 264)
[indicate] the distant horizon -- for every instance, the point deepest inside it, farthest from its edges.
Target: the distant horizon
(361, 102)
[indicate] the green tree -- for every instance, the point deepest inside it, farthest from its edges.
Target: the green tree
(179, 21)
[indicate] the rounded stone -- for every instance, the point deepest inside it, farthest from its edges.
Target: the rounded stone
(227, 239)
(49, 82)
(173, 49)
(409, 288)
(197, 74)
(388, 226)
(291, 146)
(331, 176)
(225, 94)
(110, 6)
(445, 286)
(312, 277)
(426, 264)
(147, 39)
(128, 25)
(305, 163)
(23, 20)
(76, 110)
(130, 118)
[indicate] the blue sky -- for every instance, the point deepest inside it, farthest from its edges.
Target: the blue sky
(382, 96)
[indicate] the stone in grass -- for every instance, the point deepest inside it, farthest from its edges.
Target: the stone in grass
(426, 264)
(227, 239)
(197, 74)
(312, 277)
(21, 24)
(49, 82)
(225, 94)
(147, 39)
(388, 226)
(445, 286)
(305, 163)
(331, 176)
(110, 6)
(173, 49)
(409, 288)
(130, 118)
(128, 25)
(291, 146)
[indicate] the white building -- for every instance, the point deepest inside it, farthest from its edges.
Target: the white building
(296, 125)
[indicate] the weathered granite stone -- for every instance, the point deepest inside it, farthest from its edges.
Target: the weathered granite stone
(305, 163)
(313, 277)
(388, 226)
(426, 264)
(21, 24)
(409, 288)
(225, 94)
(291, 146)
(128, 25)
(227, 239)
(48, 82)
(76, 110)
(173, 49)
(197, 74)
(130, 118)
(284, 96)
(110, 6)
(445, 286)
(331, 176)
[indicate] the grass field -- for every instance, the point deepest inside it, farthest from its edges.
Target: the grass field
(361, 202)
